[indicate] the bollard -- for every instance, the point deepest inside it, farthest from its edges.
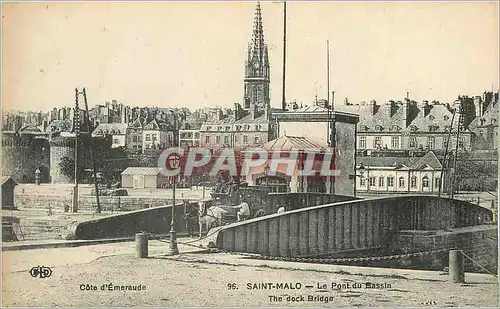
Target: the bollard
(456, 266)
(141, 245)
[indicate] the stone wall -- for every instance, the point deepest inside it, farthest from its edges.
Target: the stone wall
(479, 242)
(87, 203)
(154, 220)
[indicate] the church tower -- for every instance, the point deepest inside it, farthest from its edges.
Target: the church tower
(257, 73)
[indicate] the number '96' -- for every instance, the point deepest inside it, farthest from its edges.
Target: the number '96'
(231, 286)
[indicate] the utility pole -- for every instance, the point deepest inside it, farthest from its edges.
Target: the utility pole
(91, 146)
(283, 99)
(445, 158)
(461, 119)
(76, 129)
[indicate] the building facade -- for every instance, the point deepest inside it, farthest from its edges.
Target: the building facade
(399, 175)
(408, 125)
(317, 123)
(117, 131)
(157, 135)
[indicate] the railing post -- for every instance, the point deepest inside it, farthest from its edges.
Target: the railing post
(141, 245)
(456, 266)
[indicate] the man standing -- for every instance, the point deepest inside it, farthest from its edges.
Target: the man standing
(243, 212)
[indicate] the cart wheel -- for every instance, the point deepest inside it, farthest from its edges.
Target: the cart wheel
(260, 213)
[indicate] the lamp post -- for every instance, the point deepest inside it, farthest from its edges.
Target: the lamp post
(361, 170)
(174, 162)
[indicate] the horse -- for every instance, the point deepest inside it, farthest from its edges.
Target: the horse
(209, 218)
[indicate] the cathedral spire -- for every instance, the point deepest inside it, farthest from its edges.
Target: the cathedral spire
(258, 35)
(257, 70)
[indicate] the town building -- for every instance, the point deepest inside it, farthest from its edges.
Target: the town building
(134, 136)
(485, 124)
(399, 174)
(318, 123)
(189, 132)
(157, 135)
(407, 125)
(117, 131)
(143, 178)
(281, 179)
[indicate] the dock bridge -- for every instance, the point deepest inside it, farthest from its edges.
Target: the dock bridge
(347, 227)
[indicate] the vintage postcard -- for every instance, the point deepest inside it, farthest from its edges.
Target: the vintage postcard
(250, 154)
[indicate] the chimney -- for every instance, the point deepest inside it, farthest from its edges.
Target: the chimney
(478, 106)
(391, 108)
(373, 107)
(237, 111)
(426, 108)
(405, 112)
(346, 101)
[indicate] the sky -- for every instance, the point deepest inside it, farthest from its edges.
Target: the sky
(192, 54)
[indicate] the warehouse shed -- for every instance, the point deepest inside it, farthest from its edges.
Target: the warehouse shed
(143, 177)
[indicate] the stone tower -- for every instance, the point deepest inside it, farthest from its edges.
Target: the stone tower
(257, 73)
(60, 147)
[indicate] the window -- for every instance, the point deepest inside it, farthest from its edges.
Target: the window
(362, 142)
(362, 181)
(217, 139)
(395, 128)
(257, 140)
(437, 182)
(255, 95)
(413, 128)
(413, 142)
(395, 142)
(116, 141)
(197, 135)
(209, 128)
(226, 139)
(431, 117)
(228, 128)
(425, 182)
(401, 182)
(371, 181)
(247, 127)
(377, 142)
(134, 138)
(207, 139)
(445, 142)
(378, 128)
(433, 128)
(257, 128)
(430, 142)
(446, 117)
(238, 128)
(461, 142)
(148, 146)
(219, 128)
(245, 139)
(390, 181)
(148, 137)
(153, 137)
(381, 181)
(413, 182)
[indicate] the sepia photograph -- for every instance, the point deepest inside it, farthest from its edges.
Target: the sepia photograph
(259, 154)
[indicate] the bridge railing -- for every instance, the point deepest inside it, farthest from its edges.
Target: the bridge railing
(346, 226)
